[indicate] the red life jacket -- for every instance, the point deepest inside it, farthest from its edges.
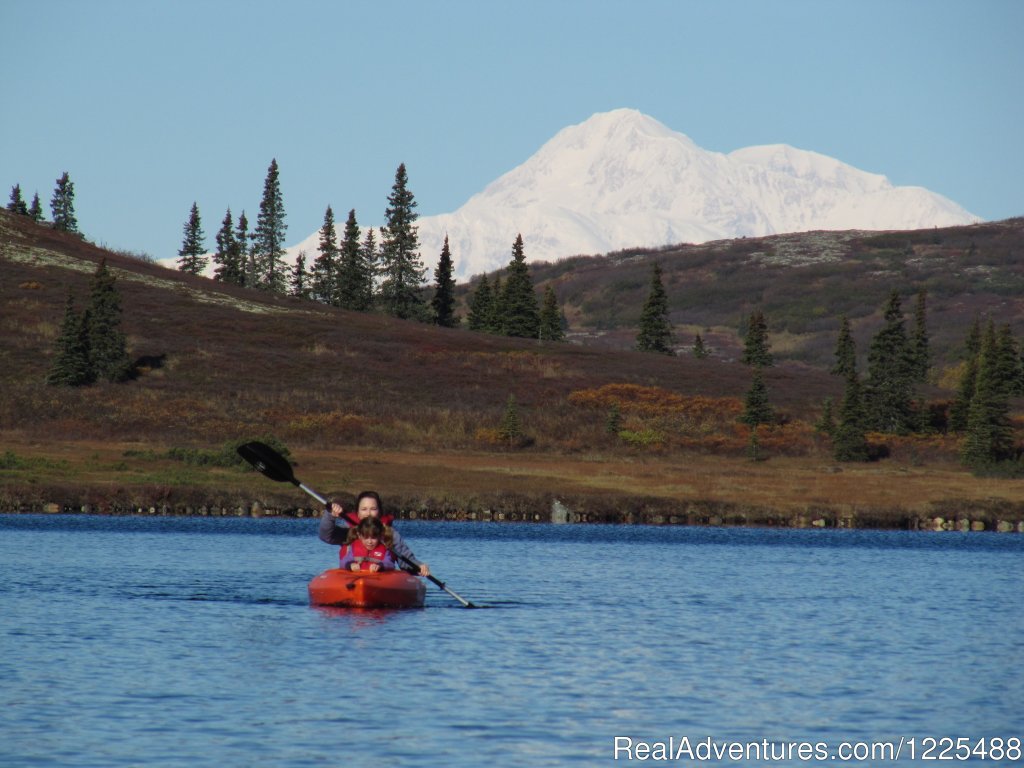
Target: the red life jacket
(365, 557)
(352, 519)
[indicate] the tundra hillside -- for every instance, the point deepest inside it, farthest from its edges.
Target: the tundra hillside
(450, 423)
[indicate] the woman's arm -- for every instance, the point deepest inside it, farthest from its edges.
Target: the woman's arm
(329, 532)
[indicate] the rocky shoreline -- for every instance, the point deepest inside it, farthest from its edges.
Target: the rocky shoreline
(1004, 519)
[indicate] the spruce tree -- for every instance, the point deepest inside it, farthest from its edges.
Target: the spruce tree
(655, 333)
(35, 211)
(846, 351)
(920, 353)
(62, 205)
(849, 441)
(370, 253)
(71, 366)
(510, 430)
(988, 438)
(521, 312)
(17, 203)
(300, 277)
(243, 247)
(481, 305)
(889, 391)
(756, 349)
(756, 407)
(613, 422)
(191, 255)
(551, 317)
(1009, 372)
(355, 273)
(496, 322)
(228, 266)
(268, 236)
(443, 301)
(402, 270)
(968, 378)
(325, 280)
(107, 345)
(700, 349)
(826, 423)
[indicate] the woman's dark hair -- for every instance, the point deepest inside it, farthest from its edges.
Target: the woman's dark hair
(371, 495)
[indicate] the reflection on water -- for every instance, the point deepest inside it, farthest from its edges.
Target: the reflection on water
(176, 642)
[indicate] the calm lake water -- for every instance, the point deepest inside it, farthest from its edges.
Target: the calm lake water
(190, 642)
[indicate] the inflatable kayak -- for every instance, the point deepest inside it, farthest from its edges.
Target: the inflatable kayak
(364, 589)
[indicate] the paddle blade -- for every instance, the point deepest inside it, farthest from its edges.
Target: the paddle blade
(268, 461)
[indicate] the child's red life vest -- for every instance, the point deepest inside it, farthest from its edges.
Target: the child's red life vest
(365, 557)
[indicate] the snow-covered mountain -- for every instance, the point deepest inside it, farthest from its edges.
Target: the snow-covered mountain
(621, 179)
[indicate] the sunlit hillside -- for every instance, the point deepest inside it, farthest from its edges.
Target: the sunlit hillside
(363, 399)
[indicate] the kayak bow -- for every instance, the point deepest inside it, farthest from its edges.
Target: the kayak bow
(367, 589)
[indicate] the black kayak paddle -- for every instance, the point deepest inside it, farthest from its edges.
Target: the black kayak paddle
(272, 464)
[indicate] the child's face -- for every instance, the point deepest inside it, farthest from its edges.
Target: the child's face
(369, 541)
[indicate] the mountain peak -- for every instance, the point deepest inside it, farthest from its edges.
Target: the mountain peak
(621, 179)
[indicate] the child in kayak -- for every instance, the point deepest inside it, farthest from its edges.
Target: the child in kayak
(368, 504)
(368, 547)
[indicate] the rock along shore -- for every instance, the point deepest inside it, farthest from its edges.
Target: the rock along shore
(553, 510)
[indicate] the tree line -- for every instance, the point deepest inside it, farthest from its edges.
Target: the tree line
(362, 271)
(62, 205)
(886, 400)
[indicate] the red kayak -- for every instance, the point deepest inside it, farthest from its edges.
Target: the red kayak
(366, 589)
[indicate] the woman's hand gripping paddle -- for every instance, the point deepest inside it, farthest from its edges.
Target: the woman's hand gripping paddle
(269, 462)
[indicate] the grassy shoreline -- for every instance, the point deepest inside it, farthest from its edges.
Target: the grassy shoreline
(692, 489)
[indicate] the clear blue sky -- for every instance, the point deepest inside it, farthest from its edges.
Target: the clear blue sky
(153, 104)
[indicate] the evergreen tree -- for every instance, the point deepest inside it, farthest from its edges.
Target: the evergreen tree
(756, 349)
(17, 204)
(71, 366)
(989, 435)
(227, 258)
(521, 313)
(826, 423)
(756, 407)
(107, 345)
(849, 441)
(700, 349)
(371, 265)
(62, 205)
(355, 272)
(191, 256)
(965, 392)
(510, 430)
(35, 210)
(551, 317)
(300, 277)
(243, 247)
(443, 301)
(481, 305)
(326, 282)
(888, 394)
(402, 270)
(268, 237)
(655, 333)
(496, 322)
(613, 424)
(846, 351)
(920, 354)
(1009, 371)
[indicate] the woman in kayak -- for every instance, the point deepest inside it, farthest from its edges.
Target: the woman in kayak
(368, 504)
(368, 547)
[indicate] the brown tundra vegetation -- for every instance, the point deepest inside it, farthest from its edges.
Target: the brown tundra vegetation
(364, 400)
